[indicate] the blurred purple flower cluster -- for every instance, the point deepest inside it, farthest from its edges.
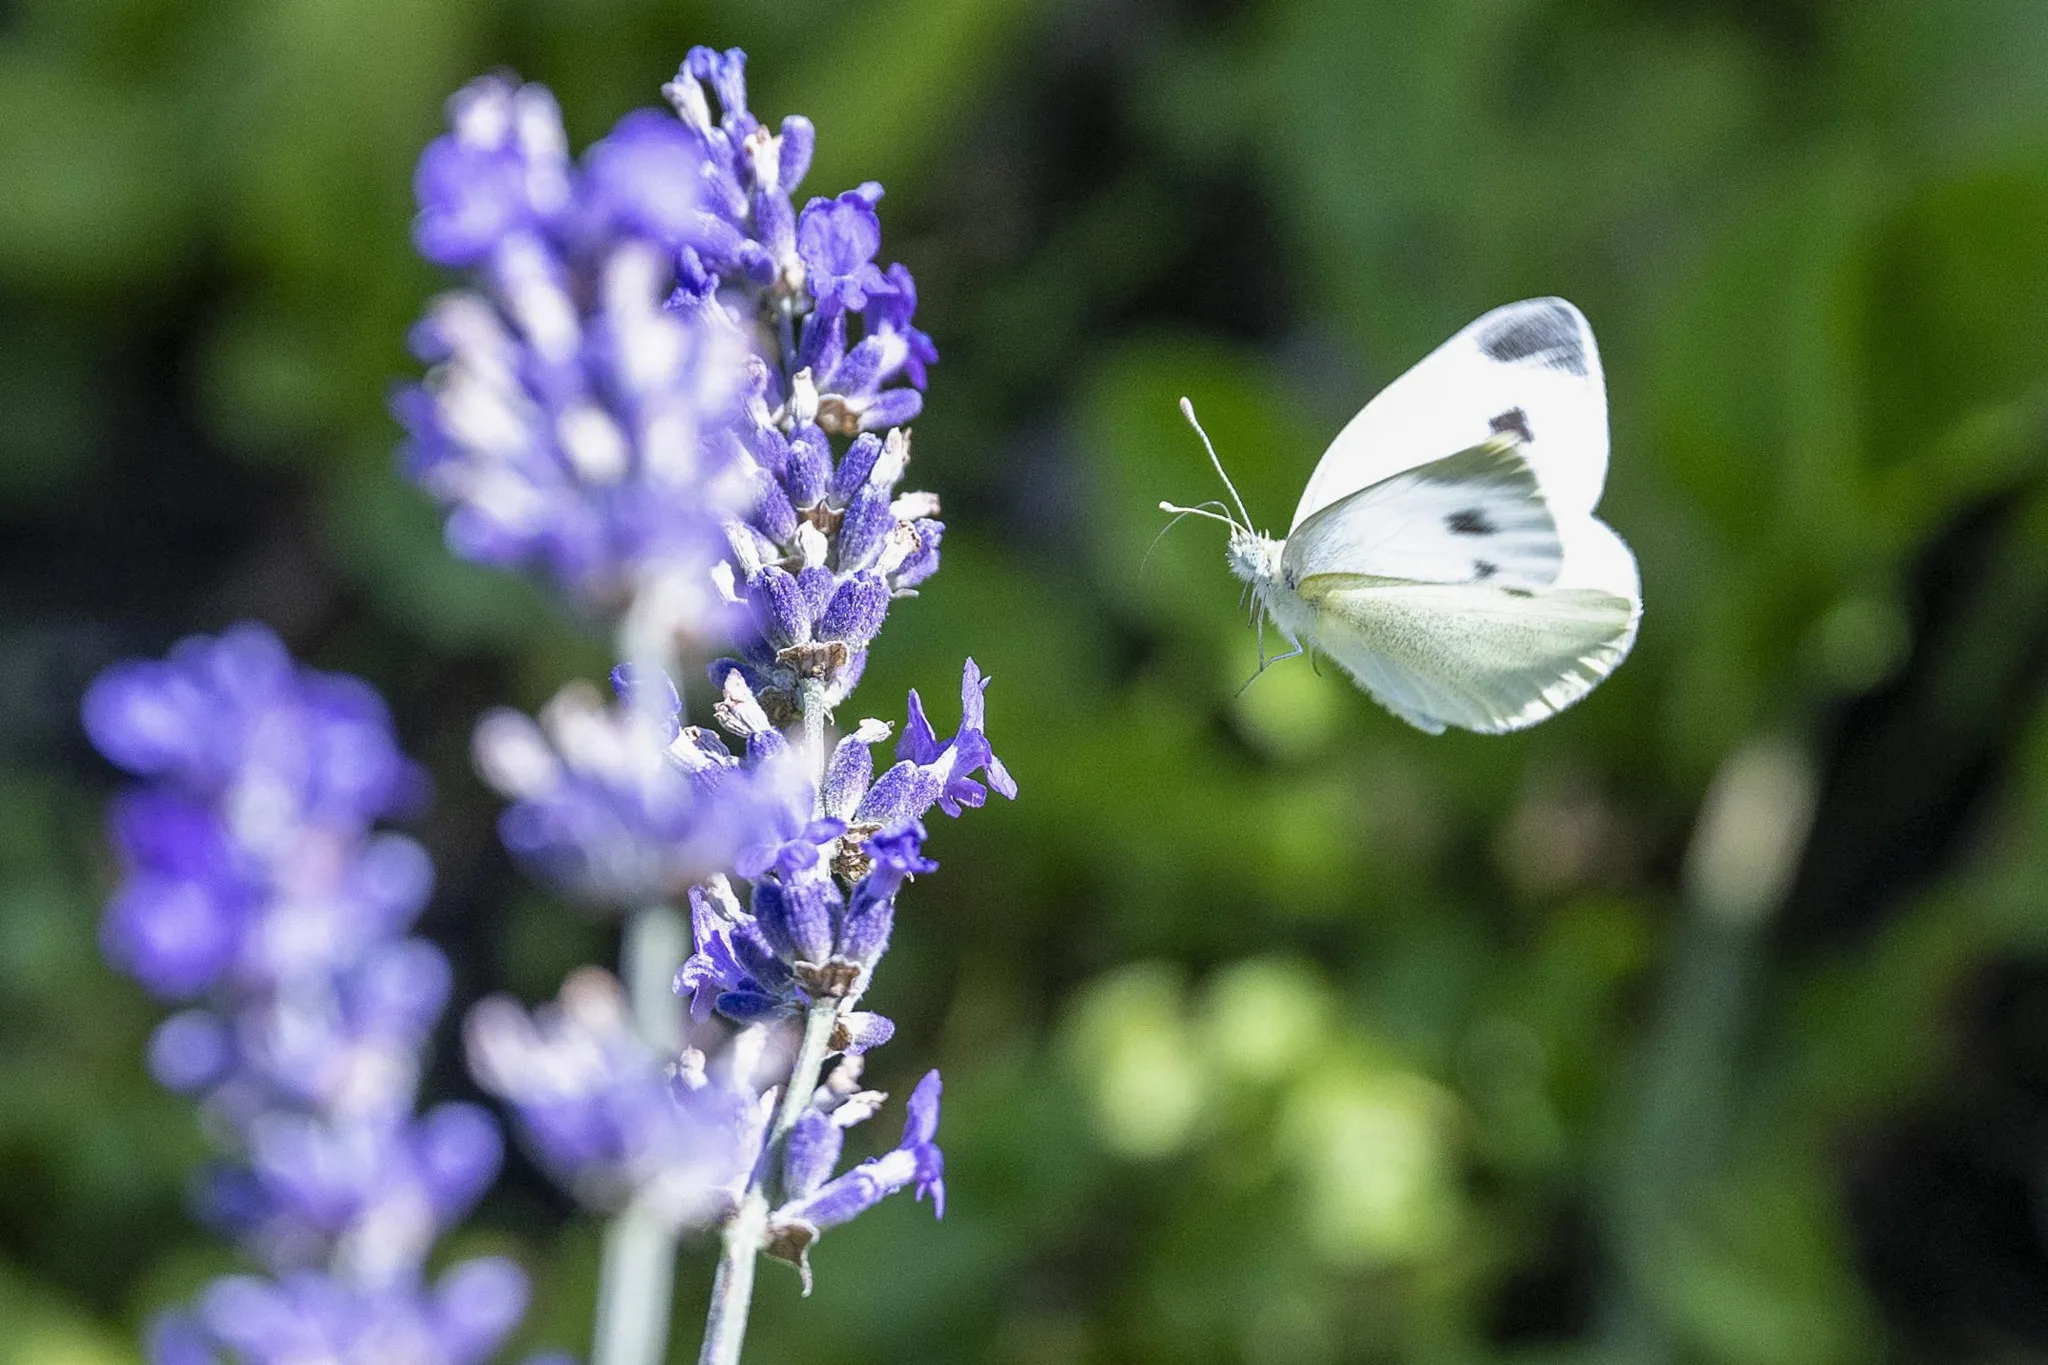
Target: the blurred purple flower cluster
(616, 1122)
(259, 894)
(617, 804)
(564, 421)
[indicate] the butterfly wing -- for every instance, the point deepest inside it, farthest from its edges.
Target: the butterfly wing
(1474, 655)
(1527, 371)
(1476, 516)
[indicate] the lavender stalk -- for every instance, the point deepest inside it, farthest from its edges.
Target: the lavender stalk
(259, 895)
(686, 402)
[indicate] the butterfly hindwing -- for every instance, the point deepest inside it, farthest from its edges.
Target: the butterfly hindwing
(1527, 372)
(1484, 658)
(1473, 517)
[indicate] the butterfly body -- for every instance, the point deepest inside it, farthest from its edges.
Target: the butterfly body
(1445, 551)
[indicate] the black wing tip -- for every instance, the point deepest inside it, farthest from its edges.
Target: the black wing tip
(1549, 332)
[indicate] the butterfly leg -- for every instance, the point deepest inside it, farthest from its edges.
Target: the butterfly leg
(1265, 663)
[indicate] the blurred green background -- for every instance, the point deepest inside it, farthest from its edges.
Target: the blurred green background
(1273, 1031)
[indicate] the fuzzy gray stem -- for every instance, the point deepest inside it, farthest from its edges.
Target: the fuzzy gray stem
(634, 1291)
(725, 1325)
(732, 1290)
(636, 1277)
(811, 703)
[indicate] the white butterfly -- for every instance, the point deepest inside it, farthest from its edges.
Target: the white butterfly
(1445, 551)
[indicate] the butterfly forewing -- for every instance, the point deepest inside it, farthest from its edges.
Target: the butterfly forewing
(1473, 517)
(1527, 372)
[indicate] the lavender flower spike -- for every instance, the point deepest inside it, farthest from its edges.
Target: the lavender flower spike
(258, 889)
(687, 402)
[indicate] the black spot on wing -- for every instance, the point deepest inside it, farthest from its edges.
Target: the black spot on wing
(1483, 569)
(1469, 521)
(1547, 334)
(1513, 422)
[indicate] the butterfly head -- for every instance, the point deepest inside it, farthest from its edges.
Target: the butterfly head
(1253, 557)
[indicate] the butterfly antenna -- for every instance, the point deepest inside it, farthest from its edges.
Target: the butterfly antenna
(1187, 410)
(1201, 511)
(1183, 514)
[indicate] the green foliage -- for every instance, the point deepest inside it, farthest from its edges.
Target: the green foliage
(1273, 1031)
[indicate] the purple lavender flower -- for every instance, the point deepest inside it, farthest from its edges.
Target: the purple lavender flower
(802, 937)
(620, 805)
(257, 886)
(815, 1205)
(463, 1318)
(251, 857)
(502, 169)
(687, 401)
(602, 1111)
(566, 420)
(927, 772)
(816, 598)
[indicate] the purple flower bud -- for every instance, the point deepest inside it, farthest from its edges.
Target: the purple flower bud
(917, 1160)
(851, 769)
(813, 1149)
(891, 408)
(176, 937)
(769, 447)
(865, 1031)
(799, 138)
(476, 1304)
(810, 466)
(820, 587)
(458, 1148)
(856, 465)
(775, 223)
(870, 919)
(650, 693)
(779, 607)
(727, 72)
(866, 526)
(815, 905)
(824, 341)
(190, 1050)
(774, 515)
(859, 374)
(856, 610)
(503, 169)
